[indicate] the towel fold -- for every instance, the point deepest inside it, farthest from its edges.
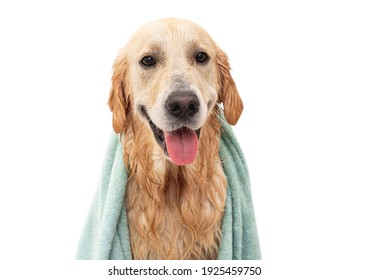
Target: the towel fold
(106, 236)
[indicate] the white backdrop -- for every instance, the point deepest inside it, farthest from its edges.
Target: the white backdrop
(302, 72)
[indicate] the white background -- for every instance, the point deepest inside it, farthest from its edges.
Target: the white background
(301, 68)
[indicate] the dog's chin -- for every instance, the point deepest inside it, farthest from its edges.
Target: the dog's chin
(180, 145)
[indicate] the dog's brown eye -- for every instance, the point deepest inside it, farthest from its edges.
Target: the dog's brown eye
(201, 57)
(148, 61)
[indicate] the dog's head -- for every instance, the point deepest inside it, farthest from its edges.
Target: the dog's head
(171, 74)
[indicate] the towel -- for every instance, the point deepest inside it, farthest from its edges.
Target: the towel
(106, 236)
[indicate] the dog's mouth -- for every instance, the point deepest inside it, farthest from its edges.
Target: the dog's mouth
(180, 145)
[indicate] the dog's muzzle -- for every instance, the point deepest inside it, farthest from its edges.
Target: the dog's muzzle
(181, 143)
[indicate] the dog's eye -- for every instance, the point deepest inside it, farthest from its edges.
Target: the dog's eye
(148, 61)
(201, 57)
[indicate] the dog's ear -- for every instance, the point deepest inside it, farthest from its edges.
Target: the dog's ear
(228, 94)
(119, 101)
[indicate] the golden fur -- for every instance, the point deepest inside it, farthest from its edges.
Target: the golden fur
(174, 212)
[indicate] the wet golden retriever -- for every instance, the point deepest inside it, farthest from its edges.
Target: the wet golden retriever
(167, 86)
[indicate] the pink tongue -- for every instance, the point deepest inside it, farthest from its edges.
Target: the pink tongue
(182, 146)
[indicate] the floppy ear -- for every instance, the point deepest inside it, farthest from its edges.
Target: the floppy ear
(118, 100)
(228, 94)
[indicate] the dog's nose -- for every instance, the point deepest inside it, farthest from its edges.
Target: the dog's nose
(182, 104)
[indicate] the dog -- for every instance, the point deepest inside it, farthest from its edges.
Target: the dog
(169, 84)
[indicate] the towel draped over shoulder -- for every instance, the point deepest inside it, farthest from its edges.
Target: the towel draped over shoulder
(106, 236)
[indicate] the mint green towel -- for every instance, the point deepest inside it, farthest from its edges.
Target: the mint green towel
(106, 235)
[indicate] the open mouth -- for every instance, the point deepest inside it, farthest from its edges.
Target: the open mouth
(180, 145)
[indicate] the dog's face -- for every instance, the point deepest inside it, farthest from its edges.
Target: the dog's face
(171, 74)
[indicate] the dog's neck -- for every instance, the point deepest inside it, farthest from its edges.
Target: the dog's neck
(174, 212)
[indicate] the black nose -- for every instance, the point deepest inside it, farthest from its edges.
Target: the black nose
(182, 104)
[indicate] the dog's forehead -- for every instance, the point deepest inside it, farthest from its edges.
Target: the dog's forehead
(171, 33)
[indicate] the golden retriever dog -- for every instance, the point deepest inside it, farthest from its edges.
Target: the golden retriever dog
(168, 85)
